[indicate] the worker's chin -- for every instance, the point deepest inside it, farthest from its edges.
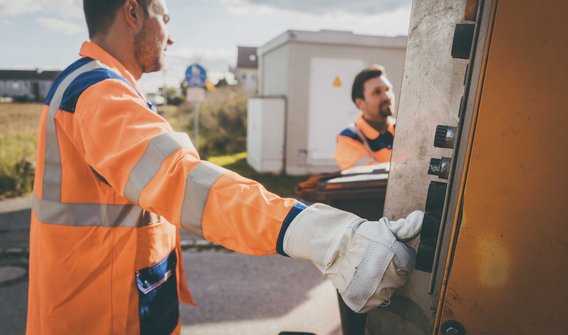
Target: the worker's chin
(154, 67)
(386, 112)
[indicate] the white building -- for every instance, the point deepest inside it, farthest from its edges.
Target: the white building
(26, 85)
(304, 96)
(246, 71)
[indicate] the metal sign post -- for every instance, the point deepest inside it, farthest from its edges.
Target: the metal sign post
(196, 124)
(196, 76)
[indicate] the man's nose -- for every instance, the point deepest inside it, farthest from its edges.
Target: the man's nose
(170, 40)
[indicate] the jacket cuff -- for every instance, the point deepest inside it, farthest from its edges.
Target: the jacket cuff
(294, 211)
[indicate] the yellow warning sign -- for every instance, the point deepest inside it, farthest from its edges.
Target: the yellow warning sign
(337, 82)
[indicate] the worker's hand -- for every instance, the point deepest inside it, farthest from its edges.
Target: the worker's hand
(365, 260)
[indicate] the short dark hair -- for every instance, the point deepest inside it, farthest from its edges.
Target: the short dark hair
(100, 14)
(362, 77)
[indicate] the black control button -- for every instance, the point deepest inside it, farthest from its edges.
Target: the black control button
(435, 198)
(431, 226)
(430, 229)
(425, 257)
(463, 40)
(440, 167)
(445, 137)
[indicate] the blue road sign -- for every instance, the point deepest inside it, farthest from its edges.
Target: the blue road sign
(195, 75)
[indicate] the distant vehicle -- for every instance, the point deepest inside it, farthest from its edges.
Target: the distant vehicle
(156, 99)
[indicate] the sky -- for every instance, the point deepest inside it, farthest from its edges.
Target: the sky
(47, 34)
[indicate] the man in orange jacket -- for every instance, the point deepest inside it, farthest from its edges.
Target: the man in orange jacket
(369, 139)
(114, 184)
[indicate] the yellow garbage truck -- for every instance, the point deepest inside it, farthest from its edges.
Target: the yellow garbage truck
(482, 145)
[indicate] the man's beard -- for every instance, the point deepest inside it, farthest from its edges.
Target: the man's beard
(385, 110)
(143, 54)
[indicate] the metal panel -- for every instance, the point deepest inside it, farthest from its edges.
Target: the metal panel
(274, 68)
(265, 133)
(465, 131)
(507, 274)
(431, 92)
(330, 108)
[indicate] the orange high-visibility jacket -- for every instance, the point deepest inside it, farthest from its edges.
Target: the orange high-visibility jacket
(114, 183)
(361, 144)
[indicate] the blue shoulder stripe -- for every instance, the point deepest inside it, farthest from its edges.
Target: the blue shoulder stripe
(83, 82)
(349, 133)
(63, 75)
(294, 211)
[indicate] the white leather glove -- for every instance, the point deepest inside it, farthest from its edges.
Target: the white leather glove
(365, 260)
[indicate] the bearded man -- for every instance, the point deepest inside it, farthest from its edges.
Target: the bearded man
(369, 139)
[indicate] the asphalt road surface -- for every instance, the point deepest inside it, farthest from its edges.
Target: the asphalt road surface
(236, 294)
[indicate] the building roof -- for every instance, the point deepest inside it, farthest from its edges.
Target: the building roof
(28, 75)
(333, 37)
(247, 58)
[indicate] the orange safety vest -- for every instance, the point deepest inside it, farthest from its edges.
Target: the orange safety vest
(113, 185)
(361, 144)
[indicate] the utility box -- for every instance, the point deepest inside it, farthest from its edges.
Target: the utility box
(314, 71)
(265, 134)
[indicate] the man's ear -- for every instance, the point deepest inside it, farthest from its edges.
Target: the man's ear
(359, 103)
(133, 14)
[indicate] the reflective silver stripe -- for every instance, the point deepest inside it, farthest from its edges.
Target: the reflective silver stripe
(52, 168)
(198, 184)
(157, 151)
(87, 215)
(50, 210)
(363, 161)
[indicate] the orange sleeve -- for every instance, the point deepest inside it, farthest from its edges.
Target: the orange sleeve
(115, 131)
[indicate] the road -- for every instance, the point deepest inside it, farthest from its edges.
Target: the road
(236, 294)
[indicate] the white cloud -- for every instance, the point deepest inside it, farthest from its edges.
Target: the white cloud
(386, 24)
(318, 7)
(60, 26)
(63, 8)
(244, 7)
(9, 7)
(186, 54)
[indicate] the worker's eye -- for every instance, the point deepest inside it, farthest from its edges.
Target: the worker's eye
(166, 18)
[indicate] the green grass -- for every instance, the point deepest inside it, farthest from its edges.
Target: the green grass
(278, 184)
(19, 124)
